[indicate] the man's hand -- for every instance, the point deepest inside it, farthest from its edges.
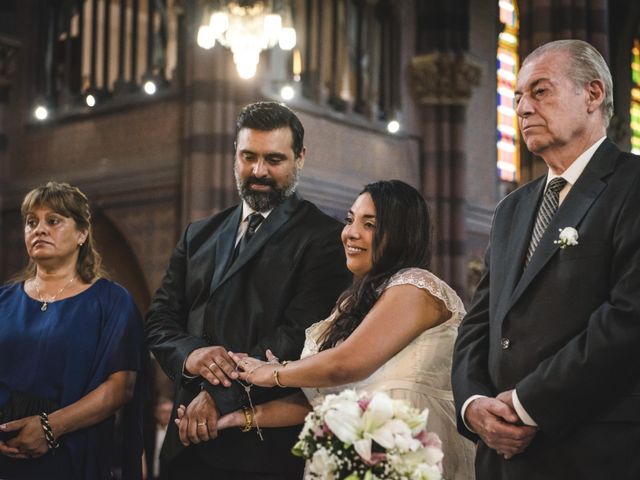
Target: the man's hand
(507, 397)
(212, 364)
(199, 421)
(497, 425)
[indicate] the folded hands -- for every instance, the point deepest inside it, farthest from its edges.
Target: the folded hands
(496, 422)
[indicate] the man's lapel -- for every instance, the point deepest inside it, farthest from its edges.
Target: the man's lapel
(278, 217)
(573, 209)
(518, 238)
(223, 246)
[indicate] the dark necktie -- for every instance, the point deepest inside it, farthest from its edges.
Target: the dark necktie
(547, 210)
(255, 219)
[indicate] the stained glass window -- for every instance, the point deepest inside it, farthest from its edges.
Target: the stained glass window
(635, 97)
(507, 65)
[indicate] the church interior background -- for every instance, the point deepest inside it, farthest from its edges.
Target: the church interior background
(134, 102)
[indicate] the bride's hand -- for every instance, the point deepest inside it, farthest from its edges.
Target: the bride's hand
(233, 419)
(257, 372)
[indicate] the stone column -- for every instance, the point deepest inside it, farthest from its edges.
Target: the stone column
(442, 84)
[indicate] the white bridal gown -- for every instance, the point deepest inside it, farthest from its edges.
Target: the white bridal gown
(420, 373)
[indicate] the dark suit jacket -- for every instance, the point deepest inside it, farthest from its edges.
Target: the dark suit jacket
(565, 331)
(287, 278)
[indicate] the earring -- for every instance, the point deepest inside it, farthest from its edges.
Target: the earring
(81, 244)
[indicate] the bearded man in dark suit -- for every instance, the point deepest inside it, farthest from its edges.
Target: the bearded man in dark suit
(249, 278)
(546, 372)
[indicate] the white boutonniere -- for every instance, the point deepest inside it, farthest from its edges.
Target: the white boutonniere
(568, 237)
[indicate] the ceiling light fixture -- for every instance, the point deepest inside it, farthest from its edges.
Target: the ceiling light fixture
(246, 28)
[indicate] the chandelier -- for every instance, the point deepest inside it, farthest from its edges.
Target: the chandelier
(247, 28)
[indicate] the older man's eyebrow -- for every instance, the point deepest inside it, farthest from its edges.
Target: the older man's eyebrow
(534, 84)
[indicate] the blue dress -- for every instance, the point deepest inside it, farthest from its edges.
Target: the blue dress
(62, 354)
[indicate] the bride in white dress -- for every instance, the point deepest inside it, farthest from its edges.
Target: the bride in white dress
(392, 331)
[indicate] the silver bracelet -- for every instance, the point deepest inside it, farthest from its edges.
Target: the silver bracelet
(48, 433)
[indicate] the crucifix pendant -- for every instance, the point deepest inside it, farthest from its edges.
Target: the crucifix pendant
(247, 389)
(43, 308)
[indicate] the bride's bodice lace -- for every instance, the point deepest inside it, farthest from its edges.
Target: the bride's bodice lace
(425, 364)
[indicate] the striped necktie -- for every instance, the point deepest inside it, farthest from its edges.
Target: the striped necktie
(547, 210)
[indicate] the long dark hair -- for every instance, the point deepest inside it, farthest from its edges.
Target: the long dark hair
(402, 239)
(69, 202)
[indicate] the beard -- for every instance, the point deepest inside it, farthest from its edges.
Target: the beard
(265, 201)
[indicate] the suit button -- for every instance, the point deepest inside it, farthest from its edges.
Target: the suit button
(505, 343)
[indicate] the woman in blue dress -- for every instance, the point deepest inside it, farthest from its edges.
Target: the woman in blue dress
(71, 353)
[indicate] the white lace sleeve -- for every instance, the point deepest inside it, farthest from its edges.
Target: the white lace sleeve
(426, 280)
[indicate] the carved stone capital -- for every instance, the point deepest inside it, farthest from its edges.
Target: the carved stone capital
(444, 78)
(8, 59)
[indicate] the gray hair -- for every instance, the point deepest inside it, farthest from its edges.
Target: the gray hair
(585, 65)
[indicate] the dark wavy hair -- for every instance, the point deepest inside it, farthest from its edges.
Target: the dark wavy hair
(266, 116)
(402, 239)
(69, 202)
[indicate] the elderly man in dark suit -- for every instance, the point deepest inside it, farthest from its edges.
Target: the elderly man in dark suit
(249, 278)
(546, 372)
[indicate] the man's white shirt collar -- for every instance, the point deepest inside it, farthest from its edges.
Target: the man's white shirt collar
(574, 171)
(247, 210)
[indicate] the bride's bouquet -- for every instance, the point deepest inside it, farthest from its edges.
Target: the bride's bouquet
(359, 437)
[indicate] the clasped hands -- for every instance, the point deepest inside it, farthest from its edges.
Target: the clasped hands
(257, 372)
(28, 443)
(496, 422)
(200, 421)
(220, 367)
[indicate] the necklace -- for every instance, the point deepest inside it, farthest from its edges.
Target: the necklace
(45, 303)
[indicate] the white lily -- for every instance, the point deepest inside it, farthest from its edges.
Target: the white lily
(344, 420)
(393, 434)
(378, 412)
(363, 448)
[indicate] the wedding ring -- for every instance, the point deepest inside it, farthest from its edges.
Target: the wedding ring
(201, 424)
(213, 364)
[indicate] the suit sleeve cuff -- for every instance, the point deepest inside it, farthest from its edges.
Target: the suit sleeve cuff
(186, 377)
(227, 399)
(522, 413)
(463, 410)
